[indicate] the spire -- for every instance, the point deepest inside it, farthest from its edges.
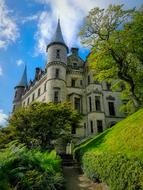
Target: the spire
(58, 37)
(23, 81)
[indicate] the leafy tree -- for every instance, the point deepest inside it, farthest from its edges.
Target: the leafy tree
(41, 123)
(116, 40)
(7, 135)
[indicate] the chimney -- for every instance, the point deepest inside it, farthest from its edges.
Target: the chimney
(37, 73)
(74, 51)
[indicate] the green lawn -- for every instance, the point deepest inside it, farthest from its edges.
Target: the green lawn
(125, 137)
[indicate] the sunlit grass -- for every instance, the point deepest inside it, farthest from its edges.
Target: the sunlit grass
(125, 137)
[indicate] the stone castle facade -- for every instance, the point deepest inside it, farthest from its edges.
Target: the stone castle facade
(67, 77)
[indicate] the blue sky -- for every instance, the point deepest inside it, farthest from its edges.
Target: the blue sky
(26, 28)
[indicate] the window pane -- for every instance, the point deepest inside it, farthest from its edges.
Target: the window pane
(97, 103)
(77, 104)
(90, 104)
(56, 97)
(91, 126)
(57, 73)
(111, 108)
(88, 79)
(73, 83)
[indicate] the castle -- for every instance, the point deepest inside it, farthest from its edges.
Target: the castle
(67, 77)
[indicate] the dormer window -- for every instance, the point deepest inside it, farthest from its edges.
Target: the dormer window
(57, 53)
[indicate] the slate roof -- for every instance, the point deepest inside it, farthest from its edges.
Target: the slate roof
(58, 37)
(23, 81)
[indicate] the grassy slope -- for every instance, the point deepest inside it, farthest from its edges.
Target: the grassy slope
(126, 137)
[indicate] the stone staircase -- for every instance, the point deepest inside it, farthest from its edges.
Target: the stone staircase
(68, 161)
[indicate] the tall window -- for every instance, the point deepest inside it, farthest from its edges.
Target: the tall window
(39, 91)
(57, 53)
(108, 86)
(56, 96)
(80, 82)
(73, 130)
(45, 86)
(111, 108)
(73, 82)
(77, 104)
(97, 103)
(88, 79)
(28, 101)
(90, 104)
(33, 97)
(57, 73)
(84, 129)
(99, 126)
(91, 126)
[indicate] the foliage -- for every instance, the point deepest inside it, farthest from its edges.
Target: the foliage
(115, 36)
(41, 123)
(116, 170)
(22, 169)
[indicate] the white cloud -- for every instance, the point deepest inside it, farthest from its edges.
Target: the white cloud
(3, 118)
(8, 28)
(1, 71)
(71, 13)
(19, 62)
(30, 18)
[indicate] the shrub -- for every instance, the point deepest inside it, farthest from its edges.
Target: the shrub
(116, 170)
(22, 169)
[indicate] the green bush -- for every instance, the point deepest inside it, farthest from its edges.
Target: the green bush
(116, 170)
(23, 169)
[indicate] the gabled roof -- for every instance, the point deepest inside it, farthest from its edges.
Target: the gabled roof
(23, 81)
(57, 37)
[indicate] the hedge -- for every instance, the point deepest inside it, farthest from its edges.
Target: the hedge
(116, 170)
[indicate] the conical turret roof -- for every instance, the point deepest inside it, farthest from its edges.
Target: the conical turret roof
(23, 81)
(57, 37)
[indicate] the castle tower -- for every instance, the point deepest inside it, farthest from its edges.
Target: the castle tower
(56, 67)
(19, 90)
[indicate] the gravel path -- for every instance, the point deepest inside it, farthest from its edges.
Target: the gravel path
(75, 180)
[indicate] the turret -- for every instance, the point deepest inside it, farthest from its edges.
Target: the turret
(19, 90)
(57, 49)
(56, 67)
